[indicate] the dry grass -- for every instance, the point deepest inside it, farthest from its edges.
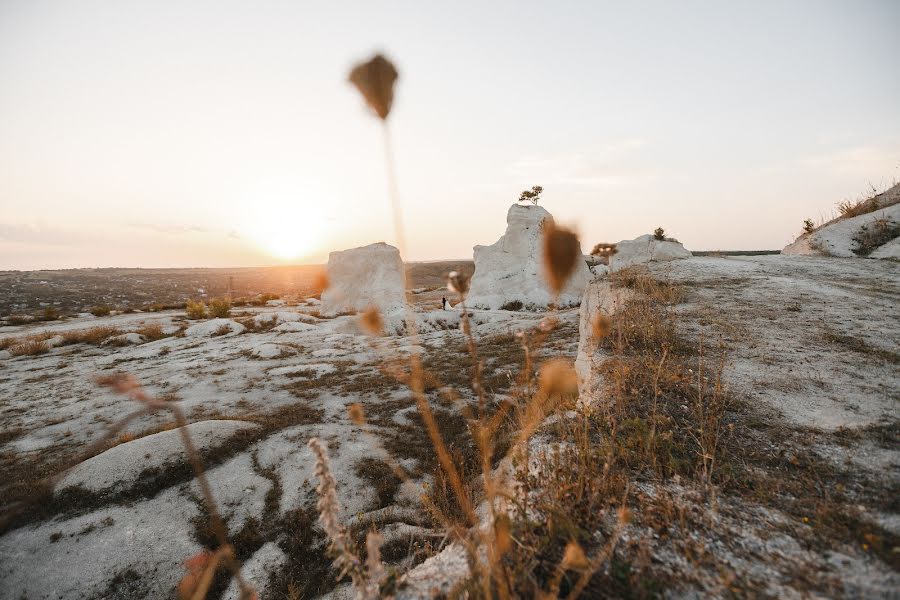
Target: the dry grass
(94, 336)
(152, 332)
(101, 310)
(872, 235)
(30, 347)
(871, 201)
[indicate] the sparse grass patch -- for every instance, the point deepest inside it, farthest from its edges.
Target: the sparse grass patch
(859, 345)
(515, 305)
(152, 332)
(94, 336)
(255, 325)
(875, 234)
(381, 477)
(101, 310)
(30, 347)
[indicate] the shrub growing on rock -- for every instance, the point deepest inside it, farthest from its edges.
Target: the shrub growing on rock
(532, 195)
(875, 234)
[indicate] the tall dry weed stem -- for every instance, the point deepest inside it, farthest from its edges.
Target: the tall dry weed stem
(366, 579)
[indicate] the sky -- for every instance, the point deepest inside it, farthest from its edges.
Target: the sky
(224, 133)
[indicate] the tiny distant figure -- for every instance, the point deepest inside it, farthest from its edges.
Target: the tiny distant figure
(444, 302)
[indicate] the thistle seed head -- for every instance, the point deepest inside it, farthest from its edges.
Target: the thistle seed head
(375, 80)
(562, 250)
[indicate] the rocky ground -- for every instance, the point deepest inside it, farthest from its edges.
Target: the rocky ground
(813, 342)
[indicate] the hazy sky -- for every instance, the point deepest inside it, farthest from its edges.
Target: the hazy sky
(224, 133)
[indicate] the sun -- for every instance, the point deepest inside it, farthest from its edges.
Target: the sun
(284, 229)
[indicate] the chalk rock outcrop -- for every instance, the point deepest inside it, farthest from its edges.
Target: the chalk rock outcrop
(510, 271)
(644, 249)
(890, 250)
(601, 300)
(362, 277)
(840, 237)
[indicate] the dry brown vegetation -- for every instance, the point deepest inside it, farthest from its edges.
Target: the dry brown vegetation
(220, 308)
(871, 201)
(94, 335)
(195, 310)
(872, 235)
(30, 347)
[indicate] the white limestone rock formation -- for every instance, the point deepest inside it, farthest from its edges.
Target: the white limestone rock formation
(510, 271)
(645, 249)
(891, 250)
(362, 277)
(601, 299)
(839, 238)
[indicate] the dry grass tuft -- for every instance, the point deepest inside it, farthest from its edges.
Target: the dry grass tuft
(94, 335)
(874, 234)
(152, 331)
(30, 347)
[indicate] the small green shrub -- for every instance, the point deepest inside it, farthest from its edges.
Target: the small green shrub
(532, 195)
(808, 226)
(195, 310)
(659, 233)
(220, 308)
(101, 310)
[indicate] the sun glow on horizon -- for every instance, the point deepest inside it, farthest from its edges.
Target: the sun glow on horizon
(284, 226)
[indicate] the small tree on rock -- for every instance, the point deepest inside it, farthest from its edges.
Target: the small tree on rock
(808, 226)
(659, 233)
(532, 195)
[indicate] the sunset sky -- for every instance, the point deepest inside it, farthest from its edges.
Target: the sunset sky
(223, 133)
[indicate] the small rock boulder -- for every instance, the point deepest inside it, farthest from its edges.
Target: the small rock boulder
(645, 249)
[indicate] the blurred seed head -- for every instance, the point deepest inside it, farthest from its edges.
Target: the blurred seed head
(356, 413)
(562, 250)
(371, 321)
(458, 282)
(375, 80)
(121, 383)
(548, 324)
(503, 536)
(574, 557)
(601, 325)
(321, 282)
(558, 378)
